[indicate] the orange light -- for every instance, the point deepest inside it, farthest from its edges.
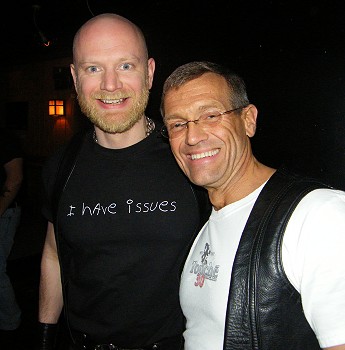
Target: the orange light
(56, 108)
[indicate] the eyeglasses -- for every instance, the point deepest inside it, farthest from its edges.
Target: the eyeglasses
(175, 129)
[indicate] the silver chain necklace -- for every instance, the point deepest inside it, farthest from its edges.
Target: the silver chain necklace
(150, 126)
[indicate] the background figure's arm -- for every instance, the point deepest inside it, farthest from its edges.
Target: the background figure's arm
(14, 179)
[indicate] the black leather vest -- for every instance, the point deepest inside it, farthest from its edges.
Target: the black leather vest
(264, 310)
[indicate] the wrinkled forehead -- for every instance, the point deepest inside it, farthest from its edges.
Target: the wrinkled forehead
(208, 89)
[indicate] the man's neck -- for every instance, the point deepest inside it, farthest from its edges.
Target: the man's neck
(122, 140)
(241, 185)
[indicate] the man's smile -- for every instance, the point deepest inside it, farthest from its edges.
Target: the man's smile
(203, 154)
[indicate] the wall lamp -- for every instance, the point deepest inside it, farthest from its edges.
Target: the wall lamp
(56, 108)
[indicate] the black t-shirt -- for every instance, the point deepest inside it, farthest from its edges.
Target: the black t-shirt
(126, 218)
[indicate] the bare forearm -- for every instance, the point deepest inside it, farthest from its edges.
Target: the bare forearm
(337, 347)
(50, 291)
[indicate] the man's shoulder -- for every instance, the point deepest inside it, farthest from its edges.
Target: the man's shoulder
(67, 150)
(297, 189)
(286, 178)
(325, 195)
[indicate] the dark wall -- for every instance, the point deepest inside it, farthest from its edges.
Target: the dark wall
(292, 57)
(291, 54)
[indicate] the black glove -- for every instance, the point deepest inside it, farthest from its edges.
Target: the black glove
(46, 336)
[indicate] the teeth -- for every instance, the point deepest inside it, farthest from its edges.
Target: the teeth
(204, 154)
(112, 102)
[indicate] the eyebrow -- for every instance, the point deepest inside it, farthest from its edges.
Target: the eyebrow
(201, 108)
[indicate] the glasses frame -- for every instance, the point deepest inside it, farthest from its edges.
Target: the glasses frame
(165, 133)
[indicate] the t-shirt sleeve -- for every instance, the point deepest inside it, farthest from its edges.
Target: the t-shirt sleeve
(314, 262)
(49, 172)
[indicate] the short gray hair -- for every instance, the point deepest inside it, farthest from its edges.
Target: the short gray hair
(195, 69)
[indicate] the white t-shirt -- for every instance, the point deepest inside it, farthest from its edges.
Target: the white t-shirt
(313, 258)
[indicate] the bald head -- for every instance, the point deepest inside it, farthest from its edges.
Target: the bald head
(109, 25)
(112, 74)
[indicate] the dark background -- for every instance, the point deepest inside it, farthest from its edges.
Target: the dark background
(290, 53)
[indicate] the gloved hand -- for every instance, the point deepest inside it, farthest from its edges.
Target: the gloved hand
(46, 336)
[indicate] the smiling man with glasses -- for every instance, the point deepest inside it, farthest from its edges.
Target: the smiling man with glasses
(267, 271)
(175, 127)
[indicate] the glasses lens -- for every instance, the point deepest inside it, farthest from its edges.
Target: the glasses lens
(209, 118)
(164, 132)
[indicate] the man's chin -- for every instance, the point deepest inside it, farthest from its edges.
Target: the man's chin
(113, 127)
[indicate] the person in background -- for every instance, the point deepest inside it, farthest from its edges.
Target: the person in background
(11, 178)
(267, 271)
(121, 225)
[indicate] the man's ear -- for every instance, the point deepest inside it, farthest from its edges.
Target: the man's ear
(250, 114)
(151, 70)
(74, 75)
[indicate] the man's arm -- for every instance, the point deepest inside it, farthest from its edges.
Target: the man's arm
(14, 178)
(337, 347)
(50, 291)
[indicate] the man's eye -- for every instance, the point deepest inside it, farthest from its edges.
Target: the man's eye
(211, 116)
(126, 66)
(177, 126)
(93, 69)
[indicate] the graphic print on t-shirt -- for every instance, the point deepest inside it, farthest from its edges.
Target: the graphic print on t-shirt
(130, 207)
(206, 267)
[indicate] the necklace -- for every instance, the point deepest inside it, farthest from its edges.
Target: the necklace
(150, 126)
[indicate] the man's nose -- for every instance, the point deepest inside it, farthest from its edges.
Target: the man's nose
(195, 132)
(111, 81)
